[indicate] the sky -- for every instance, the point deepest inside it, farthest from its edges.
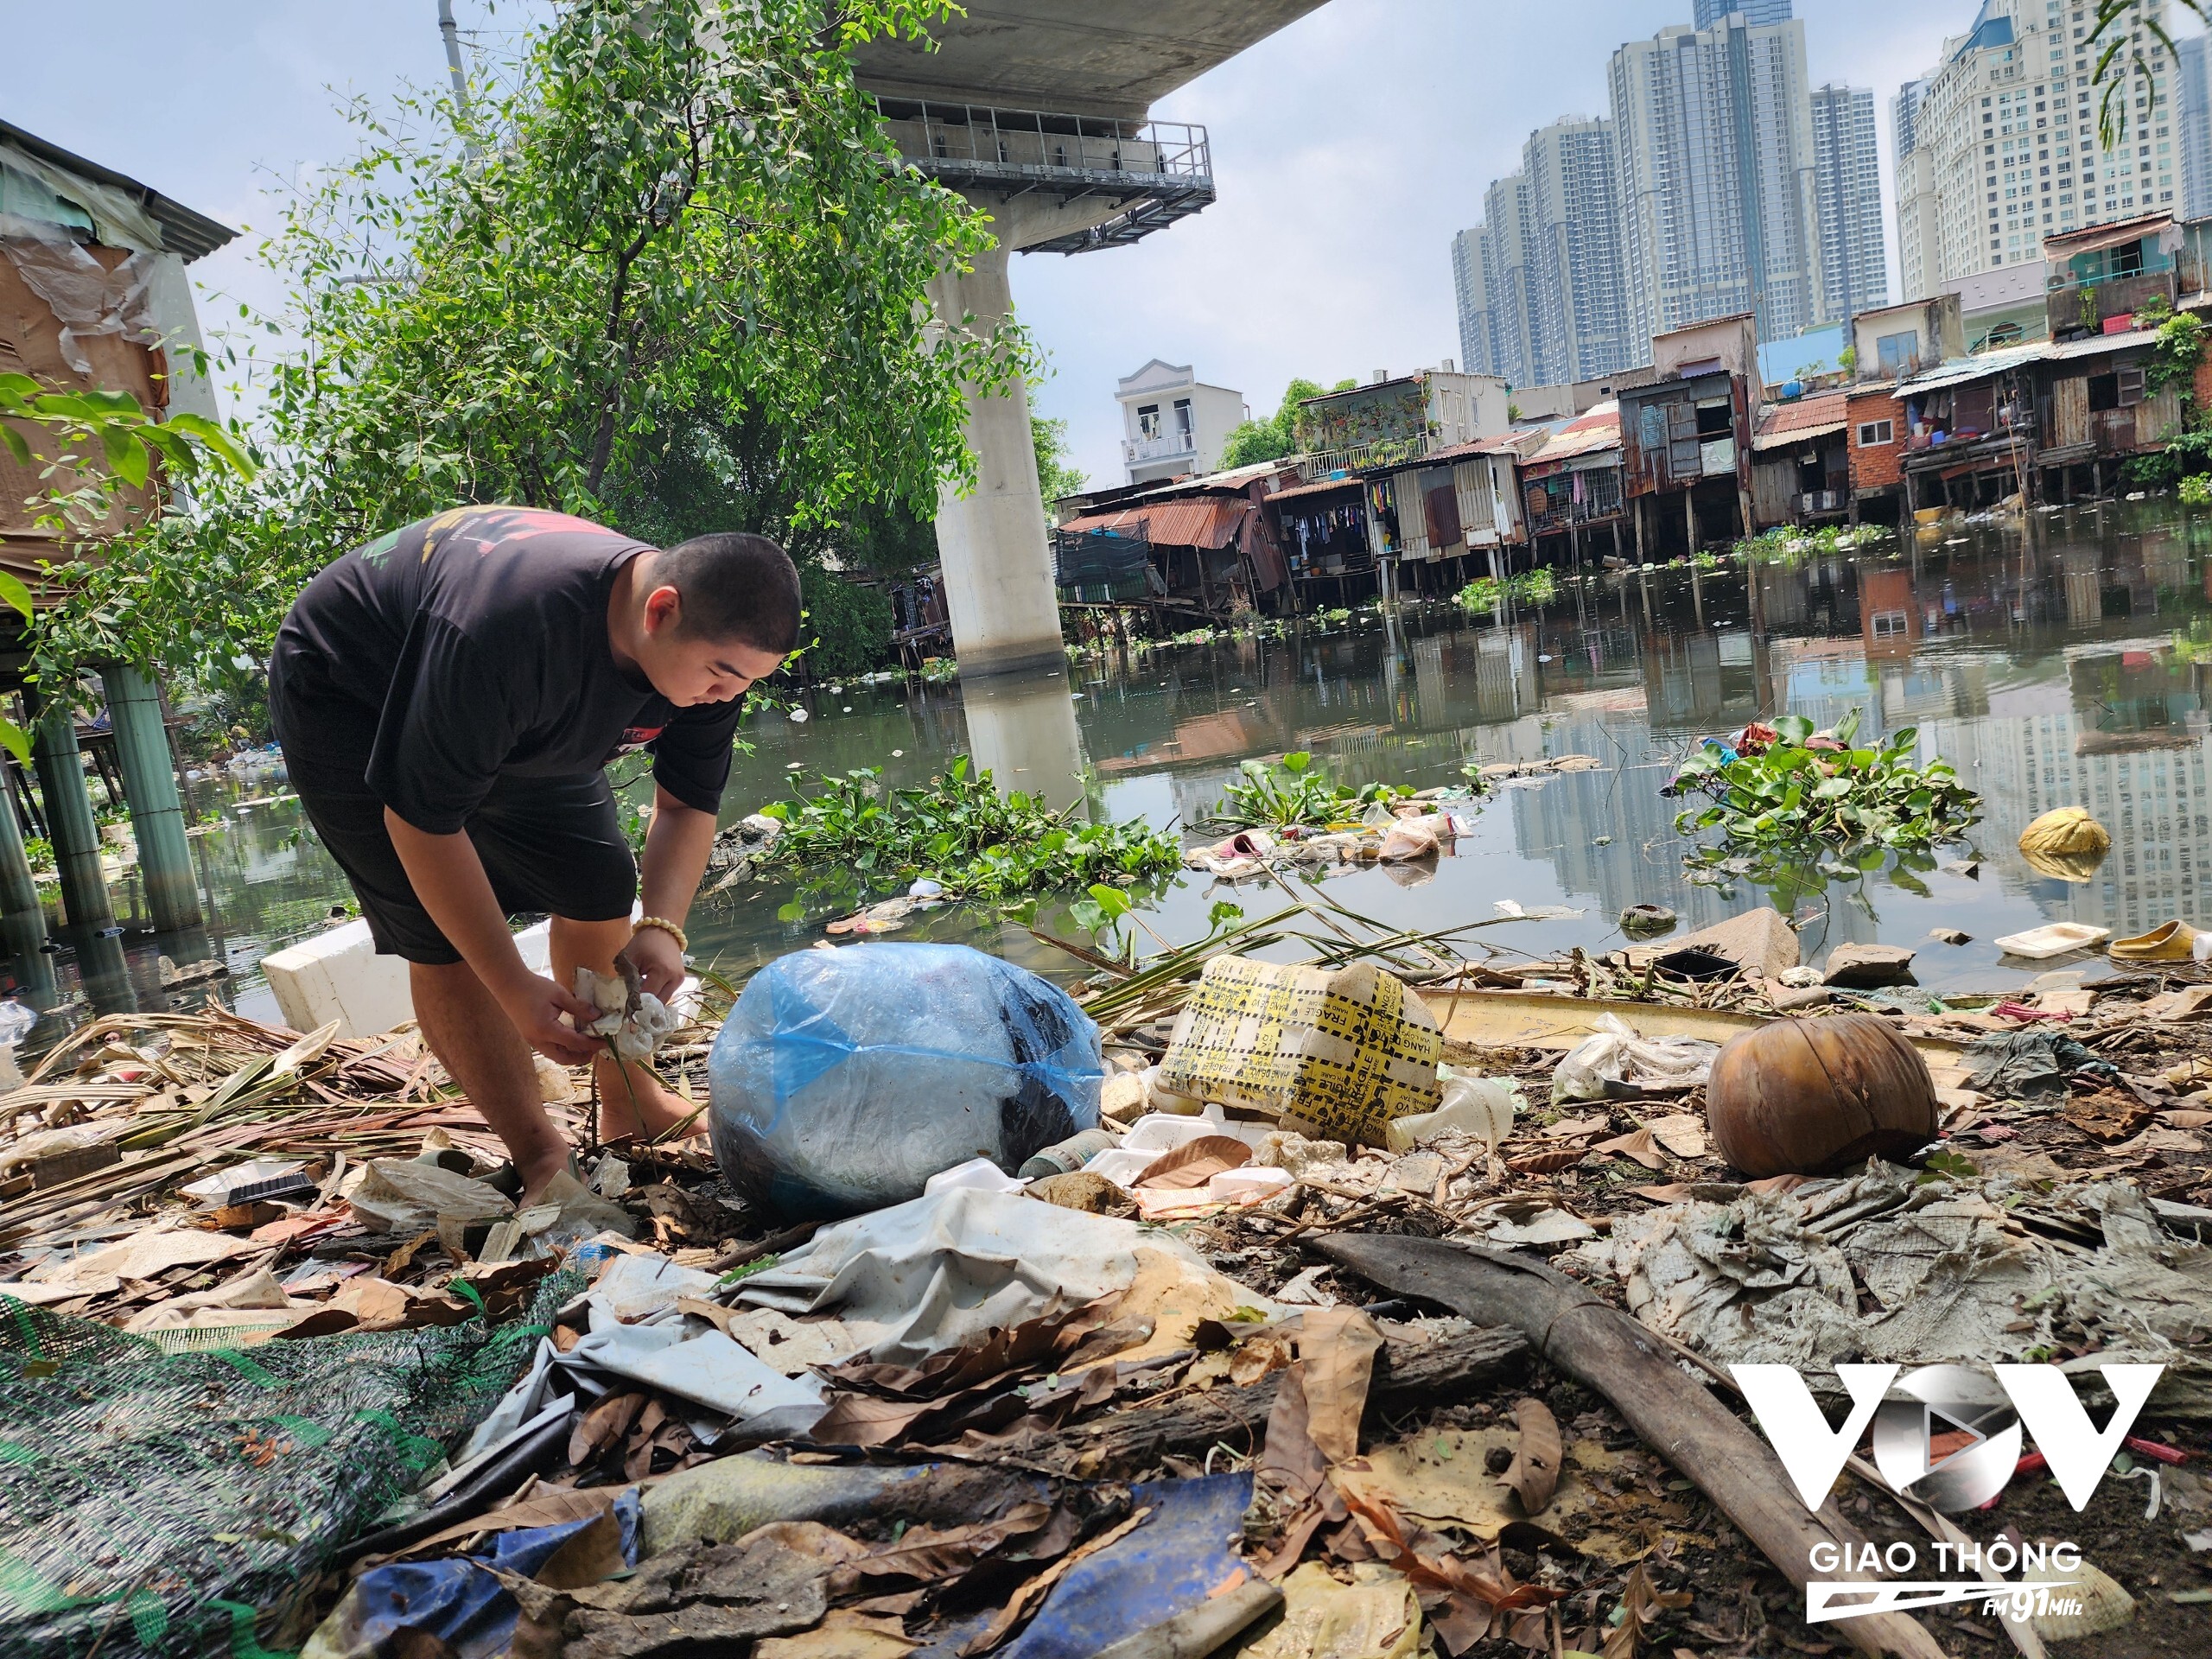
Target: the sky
(1348, 149)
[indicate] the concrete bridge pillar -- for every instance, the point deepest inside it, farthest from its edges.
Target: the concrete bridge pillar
(999, 590)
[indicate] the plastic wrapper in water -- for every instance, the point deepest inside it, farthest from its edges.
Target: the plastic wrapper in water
(844, 1079)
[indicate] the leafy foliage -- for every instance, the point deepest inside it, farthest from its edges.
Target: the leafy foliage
(2123, 57)
(1292, 791)
(669, 247)
(959, 830)
(2187, 452)
(2196, 489)
(1803, 789)
(90, 446)
(1527, 586)
(1251, 442)
(1788, 544)
(1056, 475)
(2174, 353)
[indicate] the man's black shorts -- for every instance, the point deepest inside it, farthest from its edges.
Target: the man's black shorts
(551, 845)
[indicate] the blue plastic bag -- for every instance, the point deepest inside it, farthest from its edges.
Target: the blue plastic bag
(844, 1079)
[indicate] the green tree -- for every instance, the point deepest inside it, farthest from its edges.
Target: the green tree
(1252, 441)
(2126, 57)
(667, 244)
(1056, 475)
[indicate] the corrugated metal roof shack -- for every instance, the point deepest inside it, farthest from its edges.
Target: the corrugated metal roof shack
(1571, 484)
(1970, 429)
(1322, 530)
(92, 285)
(1686, 437)
(1801, 462)
(1426, 516)
(1209, 549)
(2094, 406)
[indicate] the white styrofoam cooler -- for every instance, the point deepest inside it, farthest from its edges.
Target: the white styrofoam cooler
(339, 975)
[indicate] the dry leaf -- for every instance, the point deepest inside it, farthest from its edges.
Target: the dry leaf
(1336, 1358)
(1018, 1604)
(604, 1424)
(1535, 1470)
(1640, 1605)
(1571, 1128)
(1547, 1163)
(1639, 1145)
(1683, 1136)
(1194, 1163)
(1256, 1358)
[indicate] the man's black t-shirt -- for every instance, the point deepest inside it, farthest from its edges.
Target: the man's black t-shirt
(475, 643)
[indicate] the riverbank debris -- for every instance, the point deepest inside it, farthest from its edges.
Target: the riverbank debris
(1246, 1366)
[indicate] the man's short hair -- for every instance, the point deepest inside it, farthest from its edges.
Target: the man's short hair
(735, 587)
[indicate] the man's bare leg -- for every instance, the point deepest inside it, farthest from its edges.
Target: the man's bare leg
(467, 1030)
(632, 1100)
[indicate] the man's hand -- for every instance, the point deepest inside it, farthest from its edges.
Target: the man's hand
(536, 1005)
(653, 953)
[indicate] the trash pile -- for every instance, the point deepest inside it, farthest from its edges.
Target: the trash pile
(1354, 1307)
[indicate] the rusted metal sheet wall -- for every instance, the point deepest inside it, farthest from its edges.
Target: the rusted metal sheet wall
(1478, 509)
(2069, 410)
(1413, 518)
(2156, 416)
(1773, 482)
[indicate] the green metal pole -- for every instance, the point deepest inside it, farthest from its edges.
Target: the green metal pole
(22, 919)
(142, 746)
(69, 817)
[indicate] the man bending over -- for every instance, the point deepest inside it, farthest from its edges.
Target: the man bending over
(447, 698)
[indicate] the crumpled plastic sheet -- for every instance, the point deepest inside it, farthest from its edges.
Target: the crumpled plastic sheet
(454, 1599)
(666, 1348)
(1185, 1552)
(85, 297)
(1770, 1278)
(1613, 1062)
(844, 1079)
(2025, 1064)
(946, 1270)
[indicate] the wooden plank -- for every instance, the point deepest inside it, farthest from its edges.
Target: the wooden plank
(1542, 1020)
(1595, 1342)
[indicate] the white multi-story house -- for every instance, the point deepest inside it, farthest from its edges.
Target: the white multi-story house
(1713, 129)
(1173, 424)
(1999, 144)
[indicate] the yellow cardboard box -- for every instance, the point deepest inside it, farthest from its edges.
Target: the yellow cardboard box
(1334, 1051)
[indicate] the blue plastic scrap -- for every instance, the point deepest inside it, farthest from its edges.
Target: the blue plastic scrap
(456, 1601)
(1184, 1552)
(844, 1079)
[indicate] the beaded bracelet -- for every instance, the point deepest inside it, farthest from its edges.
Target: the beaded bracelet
(665, 926)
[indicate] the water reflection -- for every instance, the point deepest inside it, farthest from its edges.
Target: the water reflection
(1023, 731)
(2057, 662)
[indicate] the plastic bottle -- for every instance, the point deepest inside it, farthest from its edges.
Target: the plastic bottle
(1479, 1106)
(1066, 1156)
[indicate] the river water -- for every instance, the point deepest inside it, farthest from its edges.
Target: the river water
(2056, 664)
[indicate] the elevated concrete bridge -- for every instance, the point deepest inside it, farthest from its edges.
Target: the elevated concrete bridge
(1039, 112)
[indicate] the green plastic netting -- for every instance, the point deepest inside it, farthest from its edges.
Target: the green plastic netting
(156, 1503)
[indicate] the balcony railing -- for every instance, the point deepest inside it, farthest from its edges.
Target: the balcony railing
(1168, 446)
(1379, 451)
(2088, 306)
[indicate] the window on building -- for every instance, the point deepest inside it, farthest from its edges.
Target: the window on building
(2104, 392)
(1889, 625)
(1183, 428)
(1874, 434)
(1148, 420)
(1893, 351)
